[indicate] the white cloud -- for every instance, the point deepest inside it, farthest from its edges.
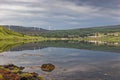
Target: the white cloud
(20, 8)
(53, 12)
(21, 0)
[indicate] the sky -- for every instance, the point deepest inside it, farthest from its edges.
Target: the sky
(60, 14)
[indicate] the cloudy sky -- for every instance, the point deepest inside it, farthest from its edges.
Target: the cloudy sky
(60, 14)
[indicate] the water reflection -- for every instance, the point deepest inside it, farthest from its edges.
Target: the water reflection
(89, 45)
(81, 63)
(104, 43)
(7, 45)
(70, 64)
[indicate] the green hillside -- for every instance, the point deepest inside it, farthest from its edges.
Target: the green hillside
(70, 33)
(82, 32)
(6, 34)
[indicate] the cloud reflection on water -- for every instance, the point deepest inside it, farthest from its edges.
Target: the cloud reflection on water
(69, 62)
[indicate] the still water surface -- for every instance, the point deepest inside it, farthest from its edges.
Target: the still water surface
(71, 63)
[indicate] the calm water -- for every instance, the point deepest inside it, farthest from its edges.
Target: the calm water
(73, 61)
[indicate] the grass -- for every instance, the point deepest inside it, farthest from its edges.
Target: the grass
(1, 76)
(72, 33)
(105, 39)
(6, 34)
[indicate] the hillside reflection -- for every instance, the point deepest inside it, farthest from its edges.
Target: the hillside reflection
(8, 45)
(88, 45)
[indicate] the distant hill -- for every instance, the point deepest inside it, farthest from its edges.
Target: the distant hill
(26, 30)
(80, 32)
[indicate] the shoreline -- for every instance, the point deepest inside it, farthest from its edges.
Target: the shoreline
(13, 72)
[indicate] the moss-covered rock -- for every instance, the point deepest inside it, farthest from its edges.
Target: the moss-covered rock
(12, 72)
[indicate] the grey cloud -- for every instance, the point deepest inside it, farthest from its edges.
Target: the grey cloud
(97, 3)
(58, 13)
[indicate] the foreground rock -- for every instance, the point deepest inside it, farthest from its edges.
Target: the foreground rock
(12, 72)
(47, 67)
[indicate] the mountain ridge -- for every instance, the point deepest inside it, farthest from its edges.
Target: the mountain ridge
(79, 32)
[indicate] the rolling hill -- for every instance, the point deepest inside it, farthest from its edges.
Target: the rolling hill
(6, 34)
(26, 30)
(80, 32)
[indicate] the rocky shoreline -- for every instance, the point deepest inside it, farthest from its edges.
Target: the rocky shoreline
(13, 72)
